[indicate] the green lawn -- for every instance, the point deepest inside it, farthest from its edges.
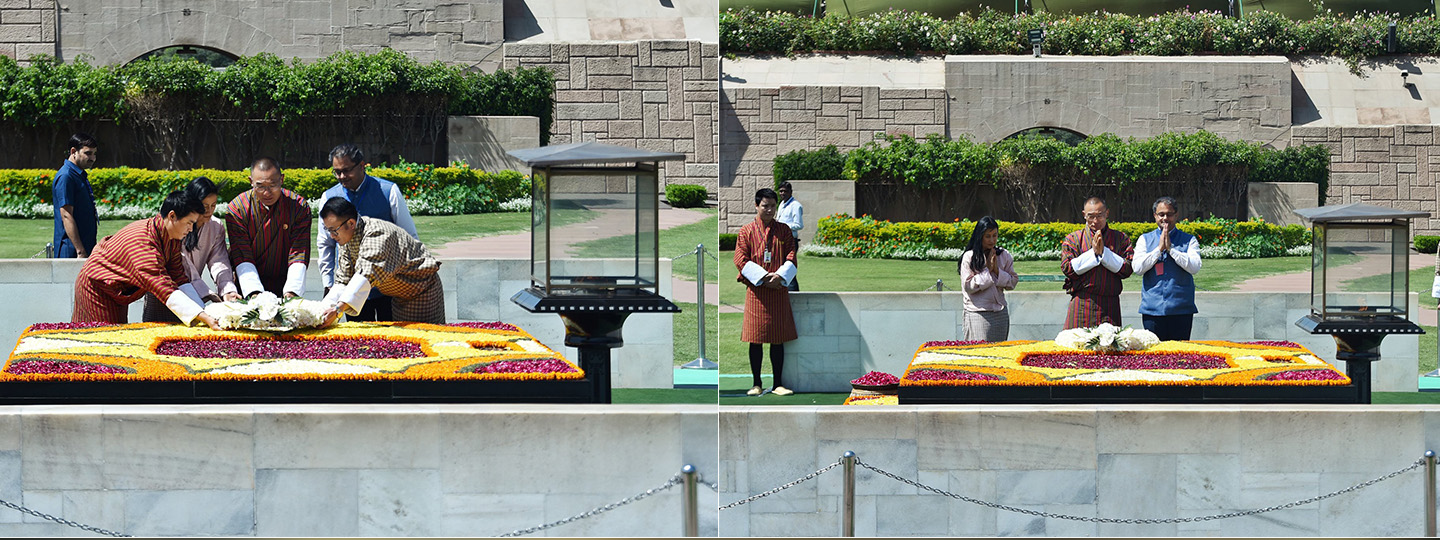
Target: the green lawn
(703, 396)
(687, 347)
(673, 242)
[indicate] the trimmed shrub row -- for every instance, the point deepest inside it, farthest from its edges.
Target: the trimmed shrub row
(866, 237)
(430, 190)
(1426, 244)
(939, 162)
(1351, 37)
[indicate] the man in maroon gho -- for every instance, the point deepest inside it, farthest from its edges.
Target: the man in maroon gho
(1095, 259)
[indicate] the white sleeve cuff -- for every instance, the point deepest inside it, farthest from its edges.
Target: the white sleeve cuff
(787, 272)
(753, 272)
(355, 293)
(249, 279)
(1111, 261)
(1435, 288)
(183, 306)
(190, 291)
(1084, 262)
(295, 279)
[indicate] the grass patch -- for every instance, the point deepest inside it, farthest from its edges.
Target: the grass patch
(854, 275)
(1427, 350)
(1404, 398)
(702, 396)
(687, 347)
(673, 242)
(23, 238)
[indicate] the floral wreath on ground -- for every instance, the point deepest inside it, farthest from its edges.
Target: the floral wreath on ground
(1107, 355)
(355, 351)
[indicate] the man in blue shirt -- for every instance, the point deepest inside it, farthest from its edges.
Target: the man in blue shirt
(373, 198)
(1168, 258)
(790, 213)
(75, 216)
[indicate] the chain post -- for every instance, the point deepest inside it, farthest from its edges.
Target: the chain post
(1430, 493)
(847, 509)
(692, 501)
(939, 285)
(700, 295)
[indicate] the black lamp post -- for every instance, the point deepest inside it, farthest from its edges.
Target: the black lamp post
(616, 189)
(1359, 313)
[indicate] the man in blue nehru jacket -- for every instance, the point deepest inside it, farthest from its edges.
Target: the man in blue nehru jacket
(373, 198)
(1168, 258)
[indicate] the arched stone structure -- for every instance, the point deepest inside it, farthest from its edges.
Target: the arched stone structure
(182, 27)
(1028, 114)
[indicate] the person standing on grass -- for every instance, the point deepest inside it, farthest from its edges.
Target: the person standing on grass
(1094, 260)
(269, 230)
(204, 248)
(143, 257)
(76, 220)
(1167, 259)
(986, 272)
(377, 254)
(373, 198)
(765, 255)
(791, 213)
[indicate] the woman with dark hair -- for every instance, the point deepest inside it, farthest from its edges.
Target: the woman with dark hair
(204, 248)
(986, 272)
(143, 257)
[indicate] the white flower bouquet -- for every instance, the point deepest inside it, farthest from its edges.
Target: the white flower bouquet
(265, 311)
(1107, 338)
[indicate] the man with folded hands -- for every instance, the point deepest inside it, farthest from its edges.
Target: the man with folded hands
(765, 255)
(1094, 260)
(376, 254)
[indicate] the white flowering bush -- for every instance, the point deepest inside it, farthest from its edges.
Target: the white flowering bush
(265, 311)
(1107, 338)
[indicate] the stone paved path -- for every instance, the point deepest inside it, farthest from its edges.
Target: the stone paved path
(1300, 282)
(605, 225)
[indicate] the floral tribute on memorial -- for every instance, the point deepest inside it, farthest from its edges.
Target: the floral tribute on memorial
(1122, 357)
(349, 351)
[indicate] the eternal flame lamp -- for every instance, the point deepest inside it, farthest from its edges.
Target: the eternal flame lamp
(612, 190)
(1351, 244)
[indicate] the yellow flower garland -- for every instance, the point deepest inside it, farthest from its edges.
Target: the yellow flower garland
(449, 352)
(1247, 365)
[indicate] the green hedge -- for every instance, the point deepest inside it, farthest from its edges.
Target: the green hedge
(685, 195)
(264, 86)
(727, 241)
(825, 164)
(870, 238)
(1426, 244)
(938, 162)
(1353, 38)
(445, 190)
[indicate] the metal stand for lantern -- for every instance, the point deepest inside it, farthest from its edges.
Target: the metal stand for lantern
(594, 295)
(1359, 320)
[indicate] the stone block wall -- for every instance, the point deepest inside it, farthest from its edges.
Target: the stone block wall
(1395, 166)
(1238, 98)
(27, 28)
(658, 95)
(410, 470)
(1110, 461)
(758, 124)
(113, 32)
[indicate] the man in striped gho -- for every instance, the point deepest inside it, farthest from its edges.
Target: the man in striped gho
(1095, 259)
(269, 231)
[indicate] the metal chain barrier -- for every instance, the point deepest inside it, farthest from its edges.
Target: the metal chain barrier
(672, 482)
(1417, 464)
(60, 520)
(782, 487)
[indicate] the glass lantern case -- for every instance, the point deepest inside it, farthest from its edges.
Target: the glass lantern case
(594, 219)
(1360, 262)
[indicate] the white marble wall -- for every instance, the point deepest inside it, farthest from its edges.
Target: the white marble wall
(42, 290)
(351, 470)
(1100, 461)
(845, 335)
